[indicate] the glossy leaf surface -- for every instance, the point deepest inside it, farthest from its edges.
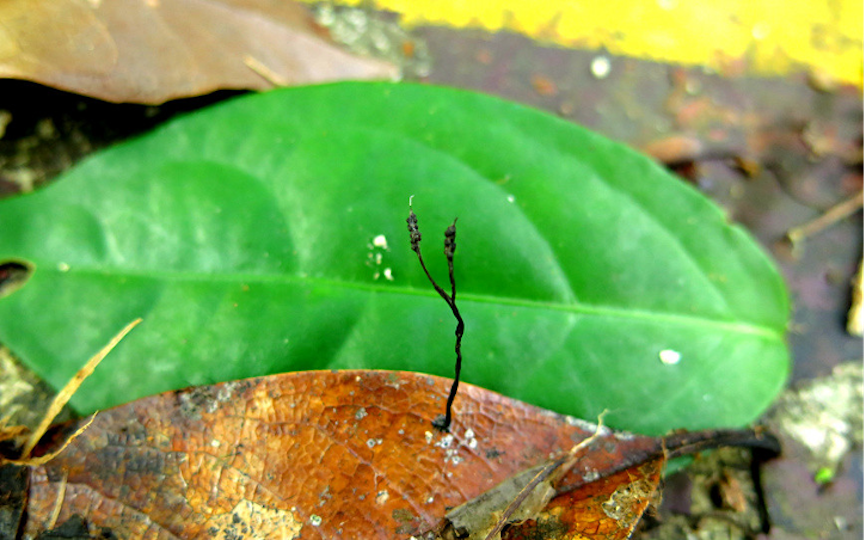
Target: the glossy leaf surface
(268, 234)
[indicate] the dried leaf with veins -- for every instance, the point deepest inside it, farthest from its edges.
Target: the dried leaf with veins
(151, 52)
(318, 454)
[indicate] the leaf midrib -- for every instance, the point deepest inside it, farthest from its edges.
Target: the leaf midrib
(659, 317)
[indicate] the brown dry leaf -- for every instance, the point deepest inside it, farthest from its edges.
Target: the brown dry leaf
(152, 51)
(305, 455)
(608, 508)
(519, 498)
(327, 454)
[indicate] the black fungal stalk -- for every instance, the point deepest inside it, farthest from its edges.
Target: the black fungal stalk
(442, 422)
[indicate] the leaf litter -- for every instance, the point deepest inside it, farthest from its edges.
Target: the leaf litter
(152, 52)
(289, 454)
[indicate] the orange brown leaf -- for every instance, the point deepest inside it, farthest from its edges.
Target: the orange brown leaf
(305, 455)
(606, 509)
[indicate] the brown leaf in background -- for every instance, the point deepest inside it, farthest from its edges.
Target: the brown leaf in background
(157, 50)
(315, 454)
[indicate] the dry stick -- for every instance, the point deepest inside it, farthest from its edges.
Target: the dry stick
(66, 393)
(43, 459)
(683, 444)
(855, 313)
(442, 423)
(835, 214)
(58, 502)
(265, 72)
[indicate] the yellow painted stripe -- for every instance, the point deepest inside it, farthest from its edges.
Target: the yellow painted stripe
(768, 37)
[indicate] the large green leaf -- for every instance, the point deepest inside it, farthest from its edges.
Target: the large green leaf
(244, 236)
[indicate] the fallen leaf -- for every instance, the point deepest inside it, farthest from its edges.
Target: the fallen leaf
(518, 499)
(317, 453)
(13, 499)
(308, 455)
(154, 51)
(608, 508)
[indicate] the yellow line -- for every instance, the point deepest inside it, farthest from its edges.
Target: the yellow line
(765, 37)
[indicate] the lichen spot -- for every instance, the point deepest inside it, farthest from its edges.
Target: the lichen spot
(470, 440)
(445, 441)
(373, 442)
(253, 521)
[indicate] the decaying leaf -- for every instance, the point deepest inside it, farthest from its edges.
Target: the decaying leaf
(482, 517)
(608, 508)
(151, 52)
(517, 499)
(319, 454)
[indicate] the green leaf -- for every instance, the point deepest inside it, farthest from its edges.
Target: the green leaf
(244, 236)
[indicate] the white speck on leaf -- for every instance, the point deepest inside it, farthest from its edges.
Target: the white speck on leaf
(380, 241)
(670, 357)
(445, 441)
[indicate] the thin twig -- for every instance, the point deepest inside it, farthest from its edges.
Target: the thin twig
(681, 444)
(71, 387)
(835, 214)
(58, 503)
(855, 314)
(45, 458)
(265, 72)
(684, 444)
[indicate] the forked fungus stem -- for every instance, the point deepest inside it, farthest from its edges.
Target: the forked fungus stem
(441, 422)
